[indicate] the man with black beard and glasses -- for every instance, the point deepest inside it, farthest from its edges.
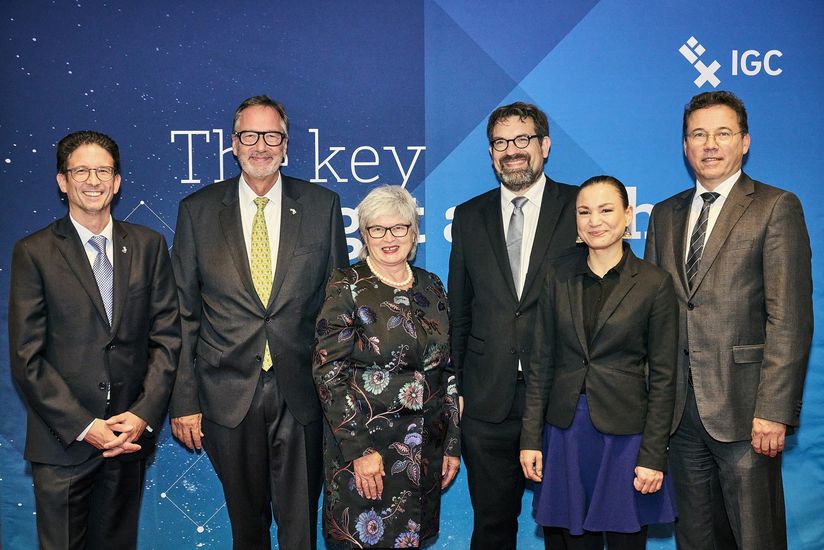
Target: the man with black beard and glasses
(502, 244)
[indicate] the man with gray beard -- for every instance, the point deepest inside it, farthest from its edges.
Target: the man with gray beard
(503, 241)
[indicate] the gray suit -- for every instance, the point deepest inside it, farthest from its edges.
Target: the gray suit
(225, 328)
(745, 333)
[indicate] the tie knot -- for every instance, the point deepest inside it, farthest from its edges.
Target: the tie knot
(709, 198)
(519, 202)
(261, 203)
(98, 242)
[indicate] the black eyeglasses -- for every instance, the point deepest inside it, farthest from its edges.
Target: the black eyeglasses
(378, 231)
(81, 173)
(250, 137)
(521, 142)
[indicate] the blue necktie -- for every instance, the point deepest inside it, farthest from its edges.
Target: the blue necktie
(103, 273)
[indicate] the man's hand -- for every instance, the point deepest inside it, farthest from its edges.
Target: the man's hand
(101, 436)
(647, 480)
(187, 430)
(768, 436)
(369, 475)
(127, 422)
(532, 463)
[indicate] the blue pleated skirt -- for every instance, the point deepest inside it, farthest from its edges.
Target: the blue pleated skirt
(587, 484)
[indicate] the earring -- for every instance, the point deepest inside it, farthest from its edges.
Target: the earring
(578, 239)
(627, 233)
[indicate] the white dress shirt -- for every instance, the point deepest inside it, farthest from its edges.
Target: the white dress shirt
(531, 210)
(271, 212)
(723, 191)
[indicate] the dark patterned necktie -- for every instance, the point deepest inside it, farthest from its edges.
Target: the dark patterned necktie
(699, 233)
(103, 273)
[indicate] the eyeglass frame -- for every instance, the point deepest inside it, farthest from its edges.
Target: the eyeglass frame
(406, 226)
(283, 137)
(690, 137)
(72, 173)
(529, 138)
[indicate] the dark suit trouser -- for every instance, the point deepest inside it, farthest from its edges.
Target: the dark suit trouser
(269, 464)
(728, 495)
(93, 505)
(491, 452)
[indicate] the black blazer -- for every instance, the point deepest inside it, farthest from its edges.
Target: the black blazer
(491, 328)
(224, 322)
(629, 365)
(63, 352)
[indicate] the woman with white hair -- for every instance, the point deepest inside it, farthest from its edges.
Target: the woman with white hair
(387, 387)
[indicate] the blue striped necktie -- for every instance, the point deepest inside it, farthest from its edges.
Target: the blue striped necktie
(103, 273)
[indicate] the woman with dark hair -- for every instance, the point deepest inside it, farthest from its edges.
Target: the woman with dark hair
(600, 386)
(387, 387)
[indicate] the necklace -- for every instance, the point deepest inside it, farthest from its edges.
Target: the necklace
(385, 280)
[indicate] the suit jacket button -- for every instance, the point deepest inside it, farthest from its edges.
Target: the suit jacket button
(517, 314)
(686, 352)
(690, 305)
(585, 362)
(267, 319)
(513, 351)
(258, 358)
(101, 386)
(110, 347)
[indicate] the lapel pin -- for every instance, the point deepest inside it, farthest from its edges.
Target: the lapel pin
(124, 250)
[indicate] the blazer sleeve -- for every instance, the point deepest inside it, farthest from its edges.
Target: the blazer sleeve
(332, 368)
(460, 300)
(662, 359)
(43, 387)
(187, 276)
(164, 341)
(788, 300)
(541, 368)
(339, 250)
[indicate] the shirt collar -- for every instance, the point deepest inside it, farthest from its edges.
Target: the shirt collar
(534, 194)
(723, 189)
(85, 234)
(583, 267)
(247, 196)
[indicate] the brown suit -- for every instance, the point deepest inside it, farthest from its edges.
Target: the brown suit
(746, 328)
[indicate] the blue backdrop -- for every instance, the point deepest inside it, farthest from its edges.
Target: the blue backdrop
(399, 93)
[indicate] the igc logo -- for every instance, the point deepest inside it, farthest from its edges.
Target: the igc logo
(748, 63)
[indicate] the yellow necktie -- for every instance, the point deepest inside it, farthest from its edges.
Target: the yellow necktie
(262, 265)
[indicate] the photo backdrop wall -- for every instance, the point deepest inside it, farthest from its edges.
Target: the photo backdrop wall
(394, 92)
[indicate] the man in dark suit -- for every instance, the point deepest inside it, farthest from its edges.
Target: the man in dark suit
(94, 337)
(739, 253)
(502, 243)
(251, 256)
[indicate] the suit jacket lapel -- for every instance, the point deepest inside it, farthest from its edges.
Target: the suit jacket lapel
(547, 220)
(575, 290)
(122, 256)
(74, 254)
(734, 207)
(626, 280)
(680, 221)
(497, 240)
(290, 216)
(232, 228)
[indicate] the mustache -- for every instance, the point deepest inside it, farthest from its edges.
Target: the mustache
(516, 156)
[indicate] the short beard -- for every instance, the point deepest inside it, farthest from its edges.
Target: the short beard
(518, 180)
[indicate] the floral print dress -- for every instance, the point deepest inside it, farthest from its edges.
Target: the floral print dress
(386, 384)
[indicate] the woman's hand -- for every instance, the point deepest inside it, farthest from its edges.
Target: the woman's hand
(532, 463)
(369, 475)
(449, 470)
(647, 481)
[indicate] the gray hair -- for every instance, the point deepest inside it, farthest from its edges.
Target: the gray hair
(388, 200)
